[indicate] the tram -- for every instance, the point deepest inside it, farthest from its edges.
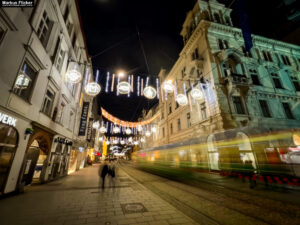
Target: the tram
(275, 155)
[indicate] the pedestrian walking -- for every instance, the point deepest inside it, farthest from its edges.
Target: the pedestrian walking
(103, 170)
(112, 173)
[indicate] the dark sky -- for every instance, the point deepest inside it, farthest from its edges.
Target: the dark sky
(111, 29)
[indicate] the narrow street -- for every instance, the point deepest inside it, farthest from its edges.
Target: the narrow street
(142, 198)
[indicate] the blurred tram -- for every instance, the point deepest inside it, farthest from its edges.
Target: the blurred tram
(275, 155)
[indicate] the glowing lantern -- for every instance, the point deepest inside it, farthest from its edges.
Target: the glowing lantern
(103, 130)
(122, 142)
(100, 138)
(116, 130)
(139, 128)
(128, 131)
(142, 140)
(116, 141)
(150, 92)
(136, 143)
(182, 99)
(92, 89)
(168, 86)
(96, 125)
(123, 87)
(153, 129)
(73, 74)
(148, 133)
(196, 94)
(130, 139)
(107, 142)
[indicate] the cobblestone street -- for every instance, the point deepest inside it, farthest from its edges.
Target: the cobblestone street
(77, 199)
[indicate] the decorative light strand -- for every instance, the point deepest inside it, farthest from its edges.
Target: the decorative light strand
(107, 82)
(175, 89)
(184, 88)
(142, 87)
(112, 83)
(132, 83)
(157, 88)
(138, 86)
(117, 85)
(129, 81)
(147, 82)
(97, 76)
(86, 80)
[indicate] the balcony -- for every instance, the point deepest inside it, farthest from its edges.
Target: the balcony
(237, 79)
(195, 67)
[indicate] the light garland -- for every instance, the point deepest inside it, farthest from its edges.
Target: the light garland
(107, 82)
(138, 86)
(123, 88)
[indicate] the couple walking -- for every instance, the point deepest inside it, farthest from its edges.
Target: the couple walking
(107, 169)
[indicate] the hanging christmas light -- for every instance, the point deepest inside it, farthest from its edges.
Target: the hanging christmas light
(150, 92)
(103, 129)
(123, 87)
(122, 142)
(73, 74)
(96, 125)
(196, 94)
(116, 141)
(130, 139)
(139, 128)
(100, 138)
(136, 143)
(153, 129)
(92, 89)
(112, 83)
(143, 140)
(116, 130)
(142, 87)
(157, 88)
(118, 91)
(107, 142)
(182, 100)
(107, 82)
(148, 133)
(128, 131)
(138, 86)
(168, 86)
(131, 83)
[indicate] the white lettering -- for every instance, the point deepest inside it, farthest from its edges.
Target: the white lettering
(6, 119)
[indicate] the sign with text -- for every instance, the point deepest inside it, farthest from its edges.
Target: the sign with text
(16, 3)
(6, 119)
(89, 130)
(83, 119)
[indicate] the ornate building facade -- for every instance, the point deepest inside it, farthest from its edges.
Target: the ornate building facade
(258, 90)
(41, 139)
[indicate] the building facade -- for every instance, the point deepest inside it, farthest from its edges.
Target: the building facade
(258, 90)
(40, 112)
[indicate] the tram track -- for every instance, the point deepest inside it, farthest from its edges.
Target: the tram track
(223, 199)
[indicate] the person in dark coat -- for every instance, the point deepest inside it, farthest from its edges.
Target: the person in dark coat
(103, 170)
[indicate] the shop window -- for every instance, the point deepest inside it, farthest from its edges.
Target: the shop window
(188, 120)
(24, 83)
(44, 29)
(265, 108)
(238, 105)
(48, 102)
(287, 110)
(276, 81)
(178, 125)
(8, 146)
(254, 77)
(203, 111)
(295, 83)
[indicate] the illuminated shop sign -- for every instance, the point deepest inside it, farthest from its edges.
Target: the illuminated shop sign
(6, 119)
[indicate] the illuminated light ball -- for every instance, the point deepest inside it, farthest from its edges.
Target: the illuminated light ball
(116, 130)
(148, 133)
(96, 125)
(107, 142)
(153, 129)
(150, 92)
(123, 87)
(128, 131)
(136, 143)
(100, 138)
(142, 140)
(130, 139)
(139, 128)
(92, 89)
(116, 142)
(103, 130)
(181, 99)
(73, 74)
(122, 142)
(168, 86)
(196, 94)
(22, 81)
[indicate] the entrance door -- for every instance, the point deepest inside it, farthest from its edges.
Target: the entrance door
(30, 163)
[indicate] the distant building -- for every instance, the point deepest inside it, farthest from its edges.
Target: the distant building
(40, 113)
(258, 90)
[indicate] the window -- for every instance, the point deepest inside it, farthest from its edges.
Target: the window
(276, 80)
(254, 77)
(227, 21)
(183, 72)
(217, 18)
(48, 102)
(287, 110)
(286, 60)
(2, 33)
(203, 111)
(61, 113)
(71, 119)
(171, 128)
(24, 83)
(177, 105)
(295, 83)
(223, 44)
(162, 115)
(178, 125)
(170, 108)
(267, 56)
(195, 54)
(59, 59)
(163, 132)
(44, 29)
(238, 104)
(265, 108)
(69, 26)
(247, 54)
(188, 120)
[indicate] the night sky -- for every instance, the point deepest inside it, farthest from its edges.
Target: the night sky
(111, 28)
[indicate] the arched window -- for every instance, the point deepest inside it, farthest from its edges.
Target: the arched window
(217, 18)
(205, 15)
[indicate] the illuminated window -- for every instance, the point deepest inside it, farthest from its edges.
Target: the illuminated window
(48, 102)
